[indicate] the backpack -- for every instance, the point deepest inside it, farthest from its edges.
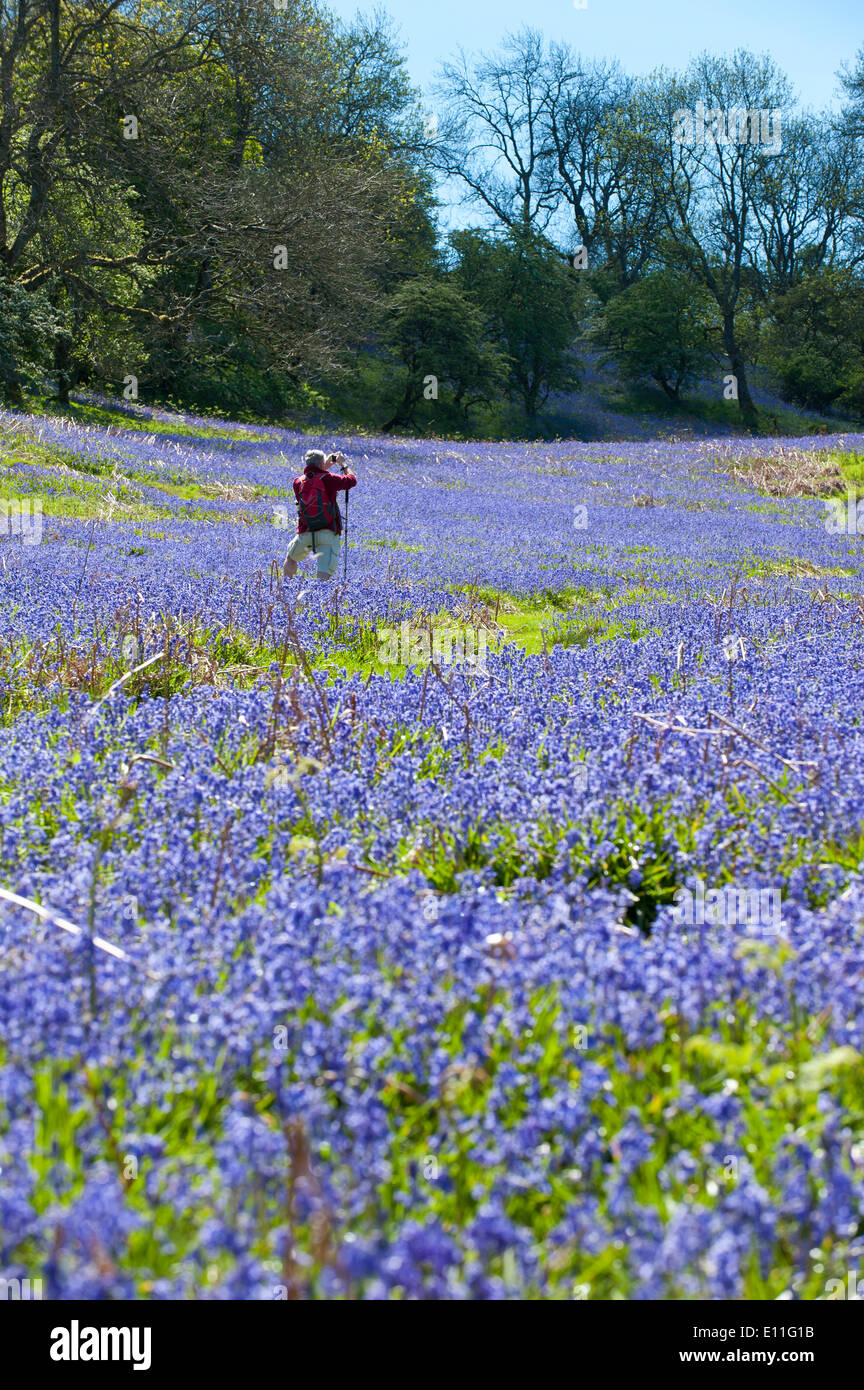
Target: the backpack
(315, 507)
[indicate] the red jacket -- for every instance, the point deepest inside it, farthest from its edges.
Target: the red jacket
(330, 484)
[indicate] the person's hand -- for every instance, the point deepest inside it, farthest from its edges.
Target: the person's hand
(338, 459)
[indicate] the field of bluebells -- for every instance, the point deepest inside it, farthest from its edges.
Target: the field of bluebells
(369, 980)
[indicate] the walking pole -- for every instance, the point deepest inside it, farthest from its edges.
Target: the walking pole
(345, 563)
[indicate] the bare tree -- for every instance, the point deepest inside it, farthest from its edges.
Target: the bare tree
(593, 118)
(534, 134)
(852, 80)
(807, 197)
(709, 180)
(493, 136)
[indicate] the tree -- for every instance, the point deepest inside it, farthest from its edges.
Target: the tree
(61, 67)
(657, 329)
(285, 198)
(594, 124)
(530, 299)
(814, 342)
(259, 227)
(709, 173)
(806, 200)
(439, 337)
(542, 139)
(493, 136)
(28, 326)
(853, 83)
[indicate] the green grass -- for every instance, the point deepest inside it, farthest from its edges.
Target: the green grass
(376, 543)
(108, 486)
(779, 421)
(86, 414)
(762, 567)
(851, 466)
(568, 617)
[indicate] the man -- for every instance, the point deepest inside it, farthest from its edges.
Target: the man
(319, 524)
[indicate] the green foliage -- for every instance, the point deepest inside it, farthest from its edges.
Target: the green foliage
(530, 299)
(28, 328)
(814, 341)
(297, 140)
(440, 339)
(657, 329)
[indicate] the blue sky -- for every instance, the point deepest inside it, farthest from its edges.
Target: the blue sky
(808, 38)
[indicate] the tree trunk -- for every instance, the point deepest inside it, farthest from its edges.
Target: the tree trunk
(62, 368)
(404, 413)
(746, 403)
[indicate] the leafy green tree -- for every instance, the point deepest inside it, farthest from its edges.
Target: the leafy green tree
(531, 301)
(814, 341)
(658, 329)
(255, 233)
(28, 328)
(439, 337)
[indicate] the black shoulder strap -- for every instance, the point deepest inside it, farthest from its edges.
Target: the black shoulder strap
(301, 505)
(306, 517)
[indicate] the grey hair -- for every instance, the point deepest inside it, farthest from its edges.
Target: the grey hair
(316, 457)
